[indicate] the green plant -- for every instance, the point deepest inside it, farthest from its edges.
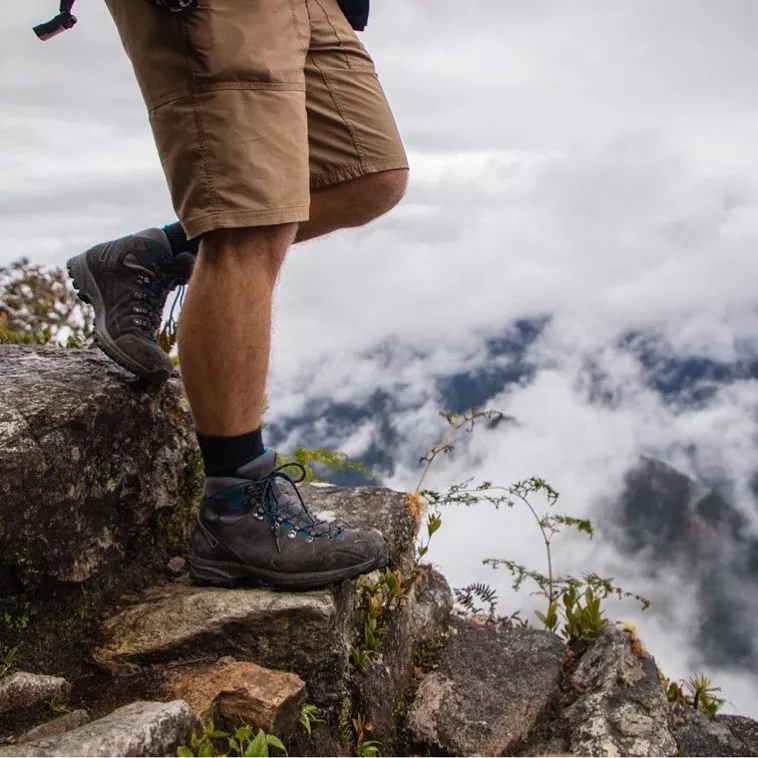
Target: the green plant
(57, 707)
(417, 503)
(38, 306)
(309, 715)
(333, 459)
(244, 742)
(364, 747)
(433, 523)
(573, 606)
(8, 658)
(697, 692)
(201, 745)
(468, 599)
(374, 601)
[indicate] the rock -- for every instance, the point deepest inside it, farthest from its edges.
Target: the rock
(98, 478)
(55, 727)
(696, 735)
(489, 688)
(298, 632)
(423, 616)
(177, 565)
(142, 728)
(621, 708)
(22, 690)
(240, 691)
(431, 607)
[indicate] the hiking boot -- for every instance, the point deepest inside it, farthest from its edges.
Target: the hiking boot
(127, 282)
(250, 530)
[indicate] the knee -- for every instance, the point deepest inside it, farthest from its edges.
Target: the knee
(372, 196)
(387, 189)
(244, 247)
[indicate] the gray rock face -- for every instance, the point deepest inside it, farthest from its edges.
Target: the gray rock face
(431, 607)
(722, 735)
(297, 632)
(22, 690)
(622, 709)
(82, 447)
(62, 724)
(490, 686)
(97, 477)
(145, 729)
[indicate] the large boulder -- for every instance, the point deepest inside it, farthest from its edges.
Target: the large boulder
(490, 686)
(621, 708)
(97, 478)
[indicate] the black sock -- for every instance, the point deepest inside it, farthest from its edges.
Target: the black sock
(222, 456)
(178, 240)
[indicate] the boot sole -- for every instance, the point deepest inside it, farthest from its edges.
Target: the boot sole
(88, 292)
(223, 574)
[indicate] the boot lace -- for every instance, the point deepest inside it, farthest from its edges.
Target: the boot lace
(287, 515)
(152, 293)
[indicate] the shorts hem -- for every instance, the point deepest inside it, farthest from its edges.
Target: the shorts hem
(292, 214)
(355, 171)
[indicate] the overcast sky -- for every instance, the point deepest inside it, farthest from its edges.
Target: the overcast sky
(593, 160)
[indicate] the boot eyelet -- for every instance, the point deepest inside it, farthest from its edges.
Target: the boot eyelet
(292, 535)
(309, 538)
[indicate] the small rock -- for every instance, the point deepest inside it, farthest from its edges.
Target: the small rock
(241, 691)
(61, 725)
(22, 690)
(177, 565)
(489, 688)
(143, 728)
(622, 709)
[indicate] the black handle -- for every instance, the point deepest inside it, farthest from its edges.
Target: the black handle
(64, 20)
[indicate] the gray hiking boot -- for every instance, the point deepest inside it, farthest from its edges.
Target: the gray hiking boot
(250, 530)
(127, 282)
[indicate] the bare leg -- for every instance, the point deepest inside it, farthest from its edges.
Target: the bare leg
(225, 329)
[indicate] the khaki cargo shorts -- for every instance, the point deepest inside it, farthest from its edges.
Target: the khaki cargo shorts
(253, 103)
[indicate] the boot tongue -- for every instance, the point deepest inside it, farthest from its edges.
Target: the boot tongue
(259, 467)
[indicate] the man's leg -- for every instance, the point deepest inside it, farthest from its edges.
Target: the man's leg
(225, 328)
(249, 527)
